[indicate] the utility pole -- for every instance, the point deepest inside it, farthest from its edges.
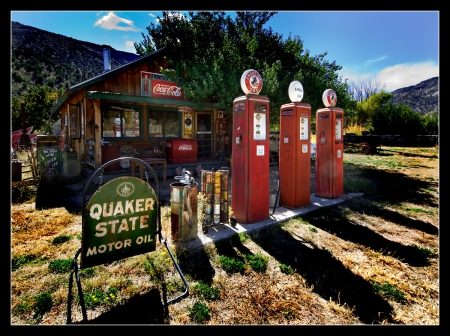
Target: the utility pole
(24, 138)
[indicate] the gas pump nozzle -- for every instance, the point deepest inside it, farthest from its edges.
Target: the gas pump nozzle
(186, 177)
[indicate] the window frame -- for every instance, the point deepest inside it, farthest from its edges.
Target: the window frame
(163, 110)
(121, 109)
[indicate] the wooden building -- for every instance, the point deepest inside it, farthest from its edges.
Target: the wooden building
(136, 110)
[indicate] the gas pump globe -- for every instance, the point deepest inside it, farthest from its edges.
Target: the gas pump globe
(117, 126)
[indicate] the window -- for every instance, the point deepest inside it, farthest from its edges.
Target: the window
(120, 122)
(163, 124)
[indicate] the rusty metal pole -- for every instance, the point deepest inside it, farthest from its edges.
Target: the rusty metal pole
(24, 138)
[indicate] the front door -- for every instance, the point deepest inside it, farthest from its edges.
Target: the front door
(204, 134)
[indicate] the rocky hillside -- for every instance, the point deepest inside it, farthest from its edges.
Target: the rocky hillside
(422, 98)
(44, 58)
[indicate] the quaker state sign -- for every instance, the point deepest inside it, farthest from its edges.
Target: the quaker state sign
(119, 222)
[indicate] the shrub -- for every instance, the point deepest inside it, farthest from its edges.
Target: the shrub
(286, 269)
(61, 265)
(207, 292)
(257, 262)
(231, 265)
(199, 312)
(42, 304)
(61, 239)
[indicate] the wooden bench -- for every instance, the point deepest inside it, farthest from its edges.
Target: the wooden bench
(153, 162)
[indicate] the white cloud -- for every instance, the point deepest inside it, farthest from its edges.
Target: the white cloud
(397, 76)
(112, 22)
(382, 58)
(404, 75)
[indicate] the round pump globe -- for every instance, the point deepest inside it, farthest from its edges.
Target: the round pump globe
(329, 98)
(295, 92)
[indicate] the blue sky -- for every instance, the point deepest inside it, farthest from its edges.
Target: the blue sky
(395, 48)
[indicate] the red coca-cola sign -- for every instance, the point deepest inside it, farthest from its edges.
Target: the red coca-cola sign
(164, 89)
(185, 147)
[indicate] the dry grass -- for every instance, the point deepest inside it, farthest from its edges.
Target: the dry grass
(371, 260)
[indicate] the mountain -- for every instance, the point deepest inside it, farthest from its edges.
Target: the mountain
(422, 98)
(45, 58)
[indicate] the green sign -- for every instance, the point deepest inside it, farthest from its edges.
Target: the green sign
(119, 222)
(49, 157)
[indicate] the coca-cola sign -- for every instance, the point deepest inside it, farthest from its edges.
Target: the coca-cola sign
(164, 89)
(185, 147)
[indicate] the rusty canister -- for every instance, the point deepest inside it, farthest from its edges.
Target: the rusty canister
(184, 218)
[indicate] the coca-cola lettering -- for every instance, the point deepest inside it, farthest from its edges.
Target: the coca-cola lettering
(185, 147)
(167, 90)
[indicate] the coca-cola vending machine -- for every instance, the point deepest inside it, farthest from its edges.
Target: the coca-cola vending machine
(181, 150)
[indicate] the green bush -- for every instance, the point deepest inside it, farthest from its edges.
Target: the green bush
(199, 312)
(61, 265)
(61, 239)
(388, 291)
(286, 269)
(257, 262)
(42, 304)
(231, 265)
(207, 292)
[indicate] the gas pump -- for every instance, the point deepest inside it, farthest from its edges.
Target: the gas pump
(329, 148)
(250, 148)
(294, 154)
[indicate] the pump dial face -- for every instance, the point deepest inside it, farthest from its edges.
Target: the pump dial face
(329, 98)
(251, 82)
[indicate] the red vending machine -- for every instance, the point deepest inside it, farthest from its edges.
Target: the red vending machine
(181, 150)
(250, 152)
(329, 148)
(294, 154)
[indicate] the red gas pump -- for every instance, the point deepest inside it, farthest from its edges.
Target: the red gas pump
(250, 150)
(294, 155)
(329, 148)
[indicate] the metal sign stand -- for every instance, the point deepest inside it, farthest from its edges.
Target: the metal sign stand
(76, 267)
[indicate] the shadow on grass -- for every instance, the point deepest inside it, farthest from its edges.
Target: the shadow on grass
(373, 208)
(332, 221)
(197, 265)
(325, 275)
(140, 309)
(391, 186)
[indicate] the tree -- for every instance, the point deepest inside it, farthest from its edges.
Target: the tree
(364, 88)
(211, 51)
(430, 123)
(397, 120)
(39, 102)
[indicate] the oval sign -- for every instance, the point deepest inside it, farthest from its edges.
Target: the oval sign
(295, 91)
(119, 222)
(251, 82)
(329, 98)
